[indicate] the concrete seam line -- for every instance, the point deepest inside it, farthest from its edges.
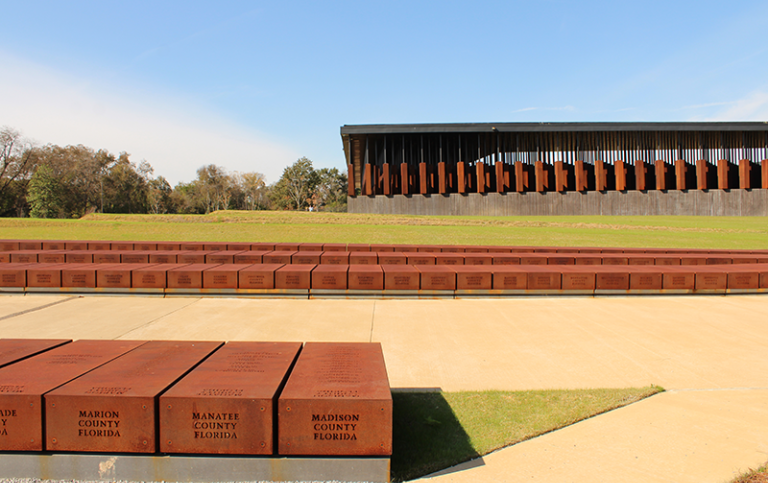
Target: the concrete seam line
(41, 307)
(373, 317)
(158, 318)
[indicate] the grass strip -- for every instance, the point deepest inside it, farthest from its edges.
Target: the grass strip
(282, 226)
(436, 430)
(759, 475)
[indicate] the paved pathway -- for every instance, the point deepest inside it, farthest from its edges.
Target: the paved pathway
(710, 353)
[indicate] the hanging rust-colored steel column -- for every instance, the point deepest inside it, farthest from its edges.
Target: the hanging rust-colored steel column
(423, 178)
(601, 178)
(680, 172)
(701, 174)
(442, 182)
(745, 168)
(722, 174)
(640, 175)
(621, 175)
(661, 175)
(461, 177)
(351, 179)
(480, 177)
(386, 180)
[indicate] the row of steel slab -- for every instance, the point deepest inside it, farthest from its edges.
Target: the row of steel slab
(194, 397)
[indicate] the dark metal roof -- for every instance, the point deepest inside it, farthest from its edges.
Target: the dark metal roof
(550, 127)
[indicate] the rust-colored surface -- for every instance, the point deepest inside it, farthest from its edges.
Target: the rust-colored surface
(335, 258)
(475, 258)
(136, 256)
(279, 256)
(337, 402)
(293, 276)
(192, 256)
(14, 350)
(145, 246)
(716, 260)
(227, 404)
(334, 247)
(363, 258)
(23, 384)
(52, 257)
(163, 256)
(5, 257)
(636, 260)
(691, 260)
(748, 278)
(561, 260)
(30, 245)
(382, 247)
(53, 245)
(365, 277)
(505, 259)
(437, 277)
(359, 247)
(542, 278)
(239, 247)
(578, 278)
(251, 256)
(667, 260)
(82, 275)
(111, 256)
(286, 247)
(24, 256)
(711, 280)
(260, 276)
(615, 259)
(308, 257)
(167, 246)
(406, 248)
(645, 278)
(99, 245)
(13, 274)
(449, 259)
(612, 279)
(310, 247)
(112, 408)
(330, 277)
(152, 276)
(222, 256)
(587, 259)
(678, 279)
(509, 277)
(391, 258)
(473, 278)
(192, 246)
(115, 276)
(223, 276)
(9, 245)
(215, 247)
(44, 275)
(262, 247)
(420, 258)
(188, 276)
(122, 246)
(78, 257)
(533, 259)
(401, 277)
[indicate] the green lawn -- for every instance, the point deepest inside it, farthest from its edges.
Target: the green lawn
(629, 231)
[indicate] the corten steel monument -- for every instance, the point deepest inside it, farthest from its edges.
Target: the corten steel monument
(692, 168)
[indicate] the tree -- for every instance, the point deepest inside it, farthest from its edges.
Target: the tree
(296, 186)
(332, 190)
(212, 188)
(44, 195)
(16, 166)
(249, 191)
(125, 187)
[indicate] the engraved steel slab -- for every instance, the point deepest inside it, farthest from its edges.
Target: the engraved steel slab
(24, 256)
(335, 258)
(437, 277)
(136, 256)
(251, 256)
(331, 277)
(400, 277)
(152, 276)
(79, 257)
(192, 246)
(286, 247)
(192, 256)
(13, 274)
(123, 246)
(544, 278)
(679, 278)
(645, 278)
(9, 245)
(227, 404)
(163, 256)
(279, 256)
(293, 276)
(473, 278)
(391, 258)
(260, 276)
(420, 258)
(262, 247)
(363, 258)
(560, 260)
(112, 409)
(215, 246)
(23, 384)
(479, 258)
(667, 259)
(13, 350)
(334, 247)
(509, 277)
(311, 247)
(82, 275)
(45, 275)
(53, 256)
(99, 245)
(365, 277)
(378, 247)
(115, 276)
(711, 279)
(358, 247)
(187, 276)
(639, 260)
(337, 401)
(110, 256)
(612, 278)
(145, 246)
(30, 245)
(306, 257)
(222, 256)
(449, 259)
(239, 247)
(54, 245)
(578, 278)
(222, 276)
(167, 246)
(533, 259)
(615, 259)
(587, 259)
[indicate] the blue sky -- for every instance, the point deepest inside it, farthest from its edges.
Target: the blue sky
(253, 86)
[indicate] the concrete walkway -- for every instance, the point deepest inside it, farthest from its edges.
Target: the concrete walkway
(710, 353)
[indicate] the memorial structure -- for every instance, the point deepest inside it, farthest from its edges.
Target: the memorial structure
(687, 168)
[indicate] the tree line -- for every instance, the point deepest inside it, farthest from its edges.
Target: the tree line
(68, 182)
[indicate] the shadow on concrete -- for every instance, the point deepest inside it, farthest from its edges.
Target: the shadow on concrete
(427, 436)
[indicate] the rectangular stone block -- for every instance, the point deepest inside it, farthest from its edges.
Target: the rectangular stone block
(678, 279)
(45, 275)
(192, 256)
(286, 247)
(437, 277)
(540, 278)
(163, 256)
(391, 258)
(99, 245)
(54, 245)
(52, 256)
(30, 245)
(79, 257)
(611, 278)
(294, 277)
(509, 277)
(122, 246)
(310, 247)
(473, 278)
(239, 247)
(261, 276)
(587, 259)
(382, 247)
(270, 247)
(14, 350)
(358, 247)
(741, 279)
(420, 258)
(710, 280)
(145, 246)
(24, 256)
(561, 260)
(192, 246)
(136, 256)
(506, 259)
(479, 258)
(452, 259)
(23, 384)
(113, 408)
(645, 278)
(330, 277)
(335, 258)
(9, 245)
(308, 257)
(577, 278)
(115, 276)
(111, 256)
(214, 247)
(363, 258)
(79, 275)
(279, 256)
(365, 277)
(152, 276)
(533, 259)
(334, 247)
(223, 276)
(337, 402)
(168, 246)
(188, 276)
(13, 274)
(400, 277)
(222, 256)
(252, 256)
(226, 405)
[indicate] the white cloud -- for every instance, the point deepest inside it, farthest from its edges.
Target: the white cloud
(174, 136)
(754, 107)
